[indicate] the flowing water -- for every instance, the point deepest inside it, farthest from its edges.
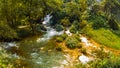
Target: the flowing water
(37, 52)
(40, 51)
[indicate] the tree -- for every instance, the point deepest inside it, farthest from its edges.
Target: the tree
(111, 9)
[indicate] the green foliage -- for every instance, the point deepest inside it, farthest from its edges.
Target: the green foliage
(65, 22)
(111, 9)
(59, 48)
(102, 63)
(103, 36)
(76, 36)
(100, 53)
(112, 62)
(76, 26)
(59, 39)
(83, 50)
(105, 61)
(5, 59)
(83, 24)
(64, 36)
(59, 27)
(22, 33)
(72, 42)
(73, 29)
(98, 21)
(6, 32)
(113, 24)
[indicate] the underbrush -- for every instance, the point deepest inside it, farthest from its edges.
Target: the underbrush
(6, 61)
(113, 62)
(6, 32)
(73, 42)
(101, 59)
(103, 36)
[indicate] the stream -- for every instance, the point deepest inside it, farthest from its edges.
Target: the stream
(37, 52)
(40, 51)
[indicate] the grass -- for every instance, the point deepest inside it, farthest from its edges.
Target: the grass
(103, 36)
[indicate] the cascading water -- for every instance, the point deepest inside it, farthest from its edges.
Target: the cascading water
(50, 31)
(38, 54)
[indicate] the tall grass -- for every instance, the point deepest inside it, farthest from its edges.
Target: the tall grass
(103, 36)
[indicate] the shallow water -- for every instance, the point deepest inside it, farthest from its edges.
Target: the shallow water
(33, 54)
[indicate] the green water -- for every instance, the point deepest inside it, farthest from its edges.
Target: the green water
(34, 54)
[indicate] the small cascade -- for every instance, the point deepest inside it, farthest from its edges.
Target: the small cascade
(50, 31)
(47, 19)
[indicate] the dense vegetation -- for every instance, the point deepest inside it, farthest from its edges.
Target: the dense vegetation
(66, 13)
(97, 19)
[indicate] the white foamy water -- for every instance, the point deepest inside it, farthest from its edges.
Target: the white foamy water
(50, 31)
(84, 59)
(49, 34)
(9, 44)
(68, 32)
(84, 40)
(47, 19)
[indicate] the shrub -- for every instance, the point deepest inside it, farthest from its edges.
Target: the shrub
(98, 21)
(59, 48)
(83, 50)
(6, 32)
(103, 36)
(6, 61)
(76, 24)
(23, 33)
(77, 37)
(113, 62)
(72, 42)
(59, 39)
(59, 27)
(73, 29)
(65, 22)
(83, 24)
(64, 36)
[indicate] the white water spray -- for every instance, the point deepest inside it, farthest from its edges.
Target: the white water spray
(50, 31)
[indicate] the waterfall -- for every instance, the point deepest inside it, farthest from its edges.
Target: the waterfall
(50, 31)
